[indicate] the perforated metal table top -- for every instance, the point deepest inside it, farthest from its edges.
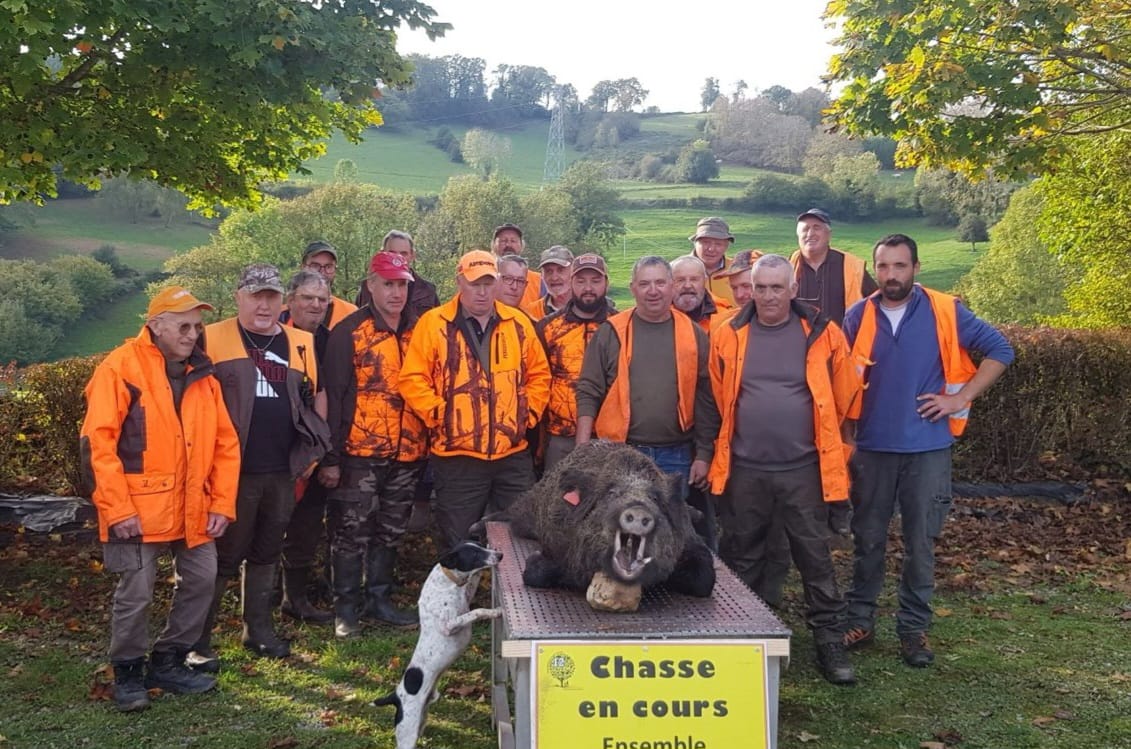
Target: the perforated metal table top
(732, 611)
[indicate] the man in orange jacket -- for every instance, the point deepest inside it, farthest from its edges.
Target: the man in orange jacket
(477, 375)
(163, 459)
(784, 382)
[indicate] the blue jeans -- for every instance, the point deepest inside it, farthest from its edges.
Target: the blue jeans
(919, 484)
(677, 459)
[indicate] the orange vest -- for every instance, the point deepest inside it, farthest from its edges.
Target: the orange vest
(340, 309)
(832, 382)
(958, 367)
(612, 420)
(854, 269)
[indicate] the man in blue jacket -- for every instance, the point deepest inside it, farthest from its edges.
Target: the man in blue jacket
(911, 344)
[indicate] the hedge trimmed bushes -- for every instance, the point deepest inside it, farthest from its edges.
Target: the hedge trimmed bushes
(1061, 412)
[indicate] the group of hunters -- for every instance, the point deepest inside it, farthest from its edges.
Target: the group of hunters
(799, 397)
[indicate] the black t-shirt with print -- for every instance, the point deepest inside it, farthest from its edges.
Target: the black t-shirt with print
(272, 431)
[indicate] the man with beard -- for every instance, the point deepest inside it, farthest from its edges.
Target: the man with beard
(644, 380)
(912, 344)
(507, 240)
(555, 267)
(710, 241)
(691, 297)
(565, 335)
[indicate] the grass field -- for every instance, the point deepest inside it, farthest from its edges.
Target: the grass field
(1030, 634)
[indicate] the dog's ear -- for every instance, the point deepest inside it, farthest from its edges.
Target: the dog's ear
(465, 557)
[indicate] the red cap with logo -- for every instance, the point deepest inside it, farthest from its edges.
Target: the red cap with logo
(390, 266)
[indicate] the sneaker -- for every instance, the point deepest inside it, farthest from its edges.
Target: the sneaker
(129, 686)
(915, 649)
(834, 664)
(858, 637)
(168, 672)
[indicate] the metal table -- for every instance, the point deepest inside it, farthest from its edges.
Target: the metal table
(534, 614)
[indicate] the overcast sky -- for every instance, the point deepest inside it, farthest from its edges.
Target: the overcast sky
(671, 52)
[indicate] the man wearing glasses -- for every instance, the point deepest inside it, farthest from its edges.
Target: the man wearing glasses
(513, 280)
(322, 258)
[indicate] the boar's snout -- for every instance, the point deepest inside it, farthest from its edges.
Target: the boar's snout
(636, 527)
(637, 521)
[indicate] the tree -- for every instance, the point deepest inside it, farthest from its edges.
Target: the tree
(972, 229)
(696, 163)
(603, 92)
(709, 94)
(345, 171)
(211, 98)
(1018, 280)
(523, 89)
(595, 202)
(629, 94)
(823, 148)
(753, 132)
(484, 151)
(739, 94)
(982, 83)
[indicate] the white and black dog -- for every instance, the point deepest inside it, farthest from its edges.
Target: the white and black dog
(445, 632)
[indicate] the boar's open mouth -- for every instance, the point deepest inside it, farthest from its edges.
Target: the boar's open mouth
(628, 555)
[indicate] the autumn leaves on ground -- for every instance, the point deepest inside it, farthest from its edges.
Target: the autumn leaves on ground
(1033, 633)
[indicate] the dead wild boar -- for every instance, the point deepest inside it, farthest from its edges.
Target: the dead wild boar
(606, 507)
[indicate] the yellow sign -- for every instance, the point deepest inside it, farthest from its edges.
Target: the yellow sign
(687, 694)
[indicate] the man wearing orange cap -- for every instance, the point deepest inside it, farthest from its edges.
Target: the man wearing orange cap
(377, 448)
(164, 460)
(477, 375)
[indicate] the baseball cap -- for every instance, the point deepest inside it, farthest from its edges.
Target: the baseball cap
(743, 262)
(390, 266)
(504, 227)
(712, 227)
(817, 213)
(558, 255)
(589, 261)
(260, 277)
(174, 299)
(477, 264)
(317, 246)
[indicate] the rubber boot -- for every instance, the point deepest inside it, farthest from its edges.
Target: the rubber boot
(346, 574)
(258, 630)
(202, 656)
(129, 686)
(379, 604)
(295, 602)
(167, 671)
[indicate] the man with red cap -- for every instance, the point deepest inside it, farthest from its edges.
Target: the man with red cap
(477, 375)
(377, 448)
(163, 459)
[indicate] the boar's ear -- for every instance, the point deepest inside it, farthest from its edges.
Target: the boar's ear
(577, 482)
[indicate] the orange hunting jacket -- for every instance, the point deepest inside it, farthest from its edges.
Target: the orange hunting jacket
(472, 410)
(565, 337)
(833, 383)
(144, 460)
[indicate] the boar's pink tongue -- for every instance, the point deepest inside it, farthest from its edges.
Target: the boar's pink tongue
(628, 555)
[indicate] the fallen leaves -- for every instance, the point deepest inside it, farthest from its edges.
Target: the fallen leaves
(805, 737)
(102, 683)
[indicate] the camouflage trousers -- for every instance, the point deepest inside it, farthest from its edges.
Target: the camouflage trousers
(372, 504)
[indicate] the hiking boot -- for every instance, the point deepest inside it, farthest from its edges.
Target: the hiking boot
(915, 649)
(833, 662)
(129, 686)
(858, 637)
(168, 672)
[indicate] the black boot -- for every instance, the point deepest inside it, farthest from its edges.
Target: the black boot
(346, 573)
(201, 656)
(295, 602)
(167, 671)
(379, 589)
(258, 630)
(832, 660)
(129, 686)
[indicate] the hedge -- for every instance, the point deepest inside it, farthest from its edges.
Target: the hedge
(1061, 412)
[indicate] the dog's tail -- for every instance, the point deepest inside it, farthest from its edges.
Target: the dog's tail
(391, 699)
